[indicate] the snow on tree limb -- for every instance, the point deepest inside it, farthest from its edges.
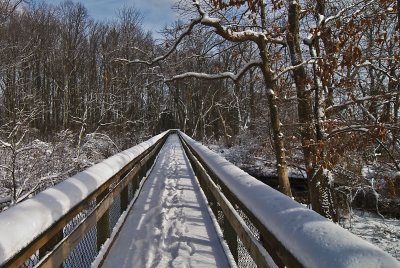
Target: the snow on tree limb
(347, 8)
(369, 64)
(223, 75)
(5, 144)
(348, 129)
(344, 105)
(231, 35)
(322, 20)
(293, 67)
(225, 32)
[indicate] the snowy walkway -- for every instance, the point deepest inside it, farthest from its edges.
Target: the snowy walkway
(169, 225)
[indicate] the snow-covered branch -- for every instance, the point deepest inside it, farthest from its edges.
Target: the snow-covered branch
(108, 137)
(358, 128)
(5, 144)
(23, 149)
(293, 67)
(338, 107)
(347, 8)
(230, 34)
(322, 20)
(369, 64)
(38, 184)
(223, 75)
(21, 139)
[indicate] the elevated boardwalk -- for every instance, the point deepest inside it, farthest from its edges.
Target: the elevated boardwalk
(171, 202)
(169, 224)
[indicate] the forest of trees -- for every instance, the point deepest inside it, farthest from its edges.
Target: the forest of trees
(313, 83)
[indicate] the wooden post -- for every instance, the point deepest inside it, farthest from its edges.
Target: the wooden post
(135, 183)
(124, 198)
(230, 237)
(143, 171)
(49, 246)
(103, 224)
(124, 195)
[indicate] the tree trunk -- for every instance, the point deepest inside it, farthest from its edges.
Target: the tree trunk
(227, 137)
(252, 110)
(280, 151)
(319, 184)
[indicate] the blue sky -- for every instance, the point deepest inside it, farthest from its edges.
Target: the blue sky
(156, 13)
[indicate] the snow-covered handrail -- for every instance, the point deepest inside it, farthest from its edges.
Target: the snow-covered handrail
(28, 221)
(295, 235)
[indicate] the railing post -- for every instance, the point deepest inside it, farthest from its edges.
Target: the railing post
(229, 232)
(49, 246)
(143, 170)
(124, 196)
(135, 183)
(231, 238)
(124, 199)
(103, 224)
(275, 252)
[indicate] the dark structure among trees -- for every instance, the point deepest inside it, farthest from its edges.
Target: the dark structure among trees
(166, 120)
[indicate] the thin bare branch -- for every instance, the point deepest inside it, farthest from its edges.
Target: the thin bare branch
(166, 55)
(6, 168)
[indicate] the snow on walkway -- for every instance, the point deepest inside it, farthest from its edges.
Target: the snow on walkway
(169, 225)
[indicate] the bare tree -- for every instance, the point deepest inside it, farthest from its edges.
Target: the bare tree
(14, 144)
(263, 39)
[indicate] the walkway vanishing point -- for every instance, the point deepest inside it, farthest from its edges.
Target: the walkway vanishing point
(171, 202)
(169, 224)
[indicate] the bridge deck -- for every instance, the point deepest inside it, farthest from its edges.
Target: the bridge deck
(169, 225)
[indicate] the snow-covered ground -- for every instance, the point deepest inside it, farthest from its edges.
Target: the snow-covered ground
(384, 233)
(241, 157)
(169, 224)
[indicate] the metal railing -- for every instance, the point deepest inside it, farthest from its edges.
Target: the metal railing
(264, 228)
(75, 238)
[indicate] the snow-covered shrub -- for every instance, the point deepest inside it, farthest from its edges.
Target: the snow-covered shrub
(37, 165)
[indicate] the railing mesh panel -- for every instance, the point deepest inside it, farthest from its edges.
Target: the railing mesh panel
(32, 261)
(244, 258)
(85, 252)
(79, 218)
(87, 249)
(115, 212)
